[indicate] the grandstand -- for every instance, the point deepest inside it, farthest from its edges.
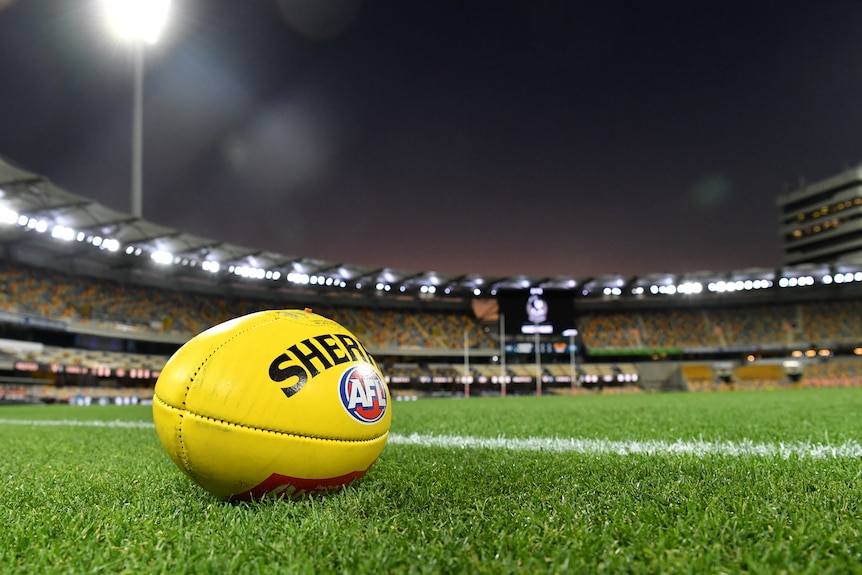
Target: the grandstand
(94, 301)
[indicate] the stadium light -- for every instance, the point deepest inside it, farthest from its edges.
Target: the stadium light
(211, 266)
(138, 22)
(63, 233)
(111, 244)
(40, 226)
(8, 216)
(162, 257)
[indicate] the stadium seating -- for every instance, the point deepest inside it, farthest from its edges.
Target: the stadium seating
(800, 324)
(47, 294)
(418, 347)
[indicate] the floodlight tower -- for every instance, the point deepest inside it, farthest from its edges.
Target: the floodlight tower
(138, 22)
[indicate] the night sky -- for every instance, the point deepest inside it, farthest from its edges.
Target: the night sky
(496, 137)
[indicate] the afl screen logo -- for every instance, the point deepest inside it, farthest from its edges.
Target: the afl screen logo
(363, 394)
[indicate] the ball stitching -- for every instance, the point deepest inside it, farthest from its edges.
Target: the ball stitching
(182, 448)
(273, 431)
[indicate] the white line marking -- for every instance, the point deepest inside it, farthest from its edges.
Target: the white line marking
(696, 447)
(79, 423)
(692, 447)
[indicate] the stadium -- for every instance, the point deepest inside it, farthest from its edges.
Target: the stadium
(95, 301)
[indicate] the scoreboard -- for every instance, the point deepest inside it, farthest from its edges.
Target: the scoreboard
(537, 310)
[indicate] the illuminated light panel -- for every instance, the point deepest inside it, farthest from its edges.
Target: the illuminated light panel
(804, 281)
(137, 20)
(162, 257)
(690, 288)
(738, 285)
(111, 245)
(8, 216)
(844, 278)
(248, 272)
(63, 233)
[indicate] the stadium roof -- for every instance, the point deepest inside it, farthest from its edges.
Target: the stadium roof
(45, 225)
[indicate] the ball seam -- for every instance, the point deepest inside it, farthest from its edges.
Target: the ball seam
(184, 455)
(265, 430)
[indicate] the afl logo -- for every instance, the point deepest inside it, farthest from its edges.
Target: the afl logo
(363, 394)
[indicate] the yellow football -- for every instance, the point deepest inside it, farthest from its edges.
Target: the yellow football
(274, 403)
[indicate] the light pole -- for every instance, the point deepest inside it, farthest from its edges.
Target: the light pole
(538, 366)
(139, 22)
(467, 379)
(571, 333)
(137, 198)
(503, 376)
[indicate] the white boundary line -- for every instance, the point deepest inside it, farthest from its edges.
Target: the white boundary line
(79, 423)
(695, 447)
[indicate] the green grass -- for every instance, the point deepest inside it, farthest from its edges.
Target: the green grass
(98, 499)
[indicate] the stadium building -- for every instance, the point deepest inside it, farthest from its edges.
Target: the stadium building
(93, 302)
(822, 222)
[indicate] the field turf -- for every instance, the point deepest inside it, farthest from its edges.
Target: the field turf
(757, 482)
